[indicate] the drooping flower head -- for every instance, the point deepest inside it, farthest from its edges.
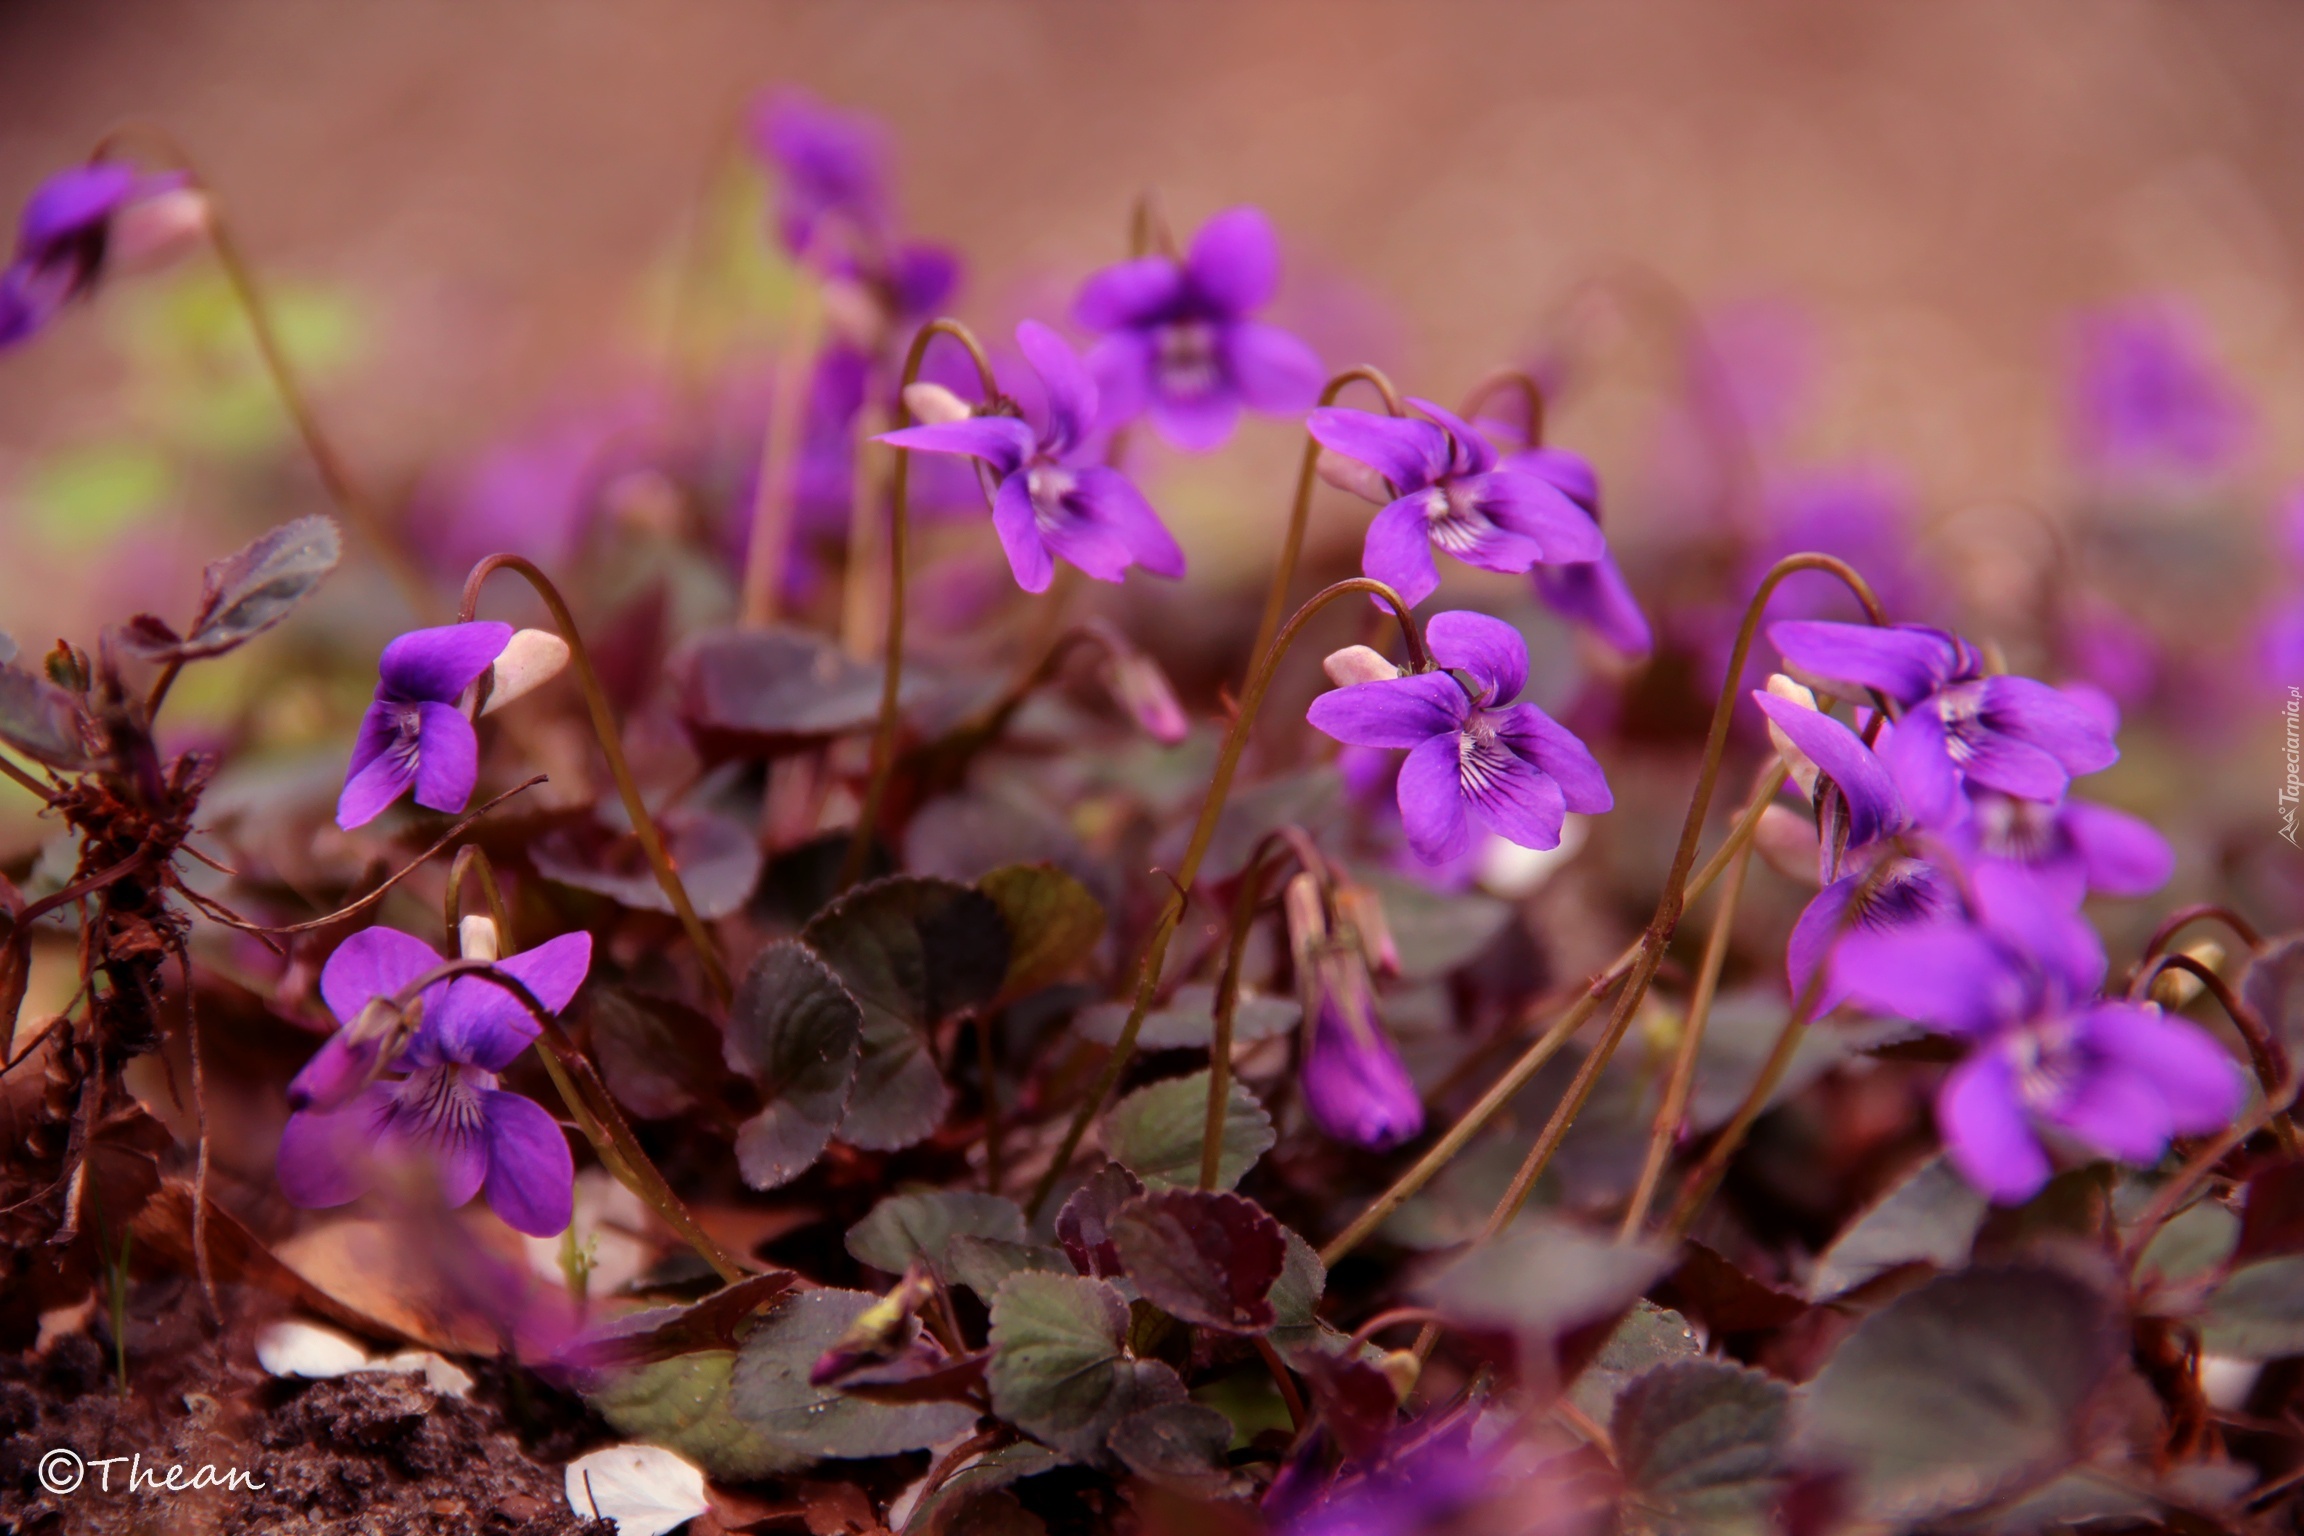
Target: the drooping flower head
(1959, 727)
(2050, 1061)
(1474, 757)
(70, 231)
(446, 1108)
(1356, 1088)
(2147, 395)
(1451, 491)
(831, 167)
(1052, 495)
(415, 733)
(1179, 342)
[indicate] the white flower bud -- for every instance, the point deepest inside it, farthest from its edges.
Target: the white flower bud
(477, 939)
(1357, 664)
(1786, 840)
(533, 658)
(1797, 762)
(931, 404)
(150, 232)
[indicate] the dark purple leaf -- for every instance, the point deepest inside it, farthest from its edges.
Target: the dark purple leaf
(918, 1378)
(1084, 1225)
(1724, 1298)
(254, 588)
(750, 691)
(149, 636)
(718, 860)
(1053, 923)
(660, 1058)
(1206, 1257)
(795, 1031)
(2272, 1213)
(1180, 1446)
(41, 720)
(663, 1333)
(1356, 1400)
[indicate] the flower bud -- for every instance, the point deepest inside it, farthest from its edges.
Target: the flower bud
(1138, 685)
(1360, 909)
(933, 403)
(1787, 841)
(1401, 1368)
(1355, 1087)
(853, 313)
(1797, 762)
(1357, 664)
(2173, 989)
(1307, 917)
(477, 939)
(881, 1331)
(151, 232)
(1352, 475)
(533, 658)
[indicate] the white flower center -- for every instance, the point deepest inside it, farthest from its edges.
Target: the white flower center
(1186, 356)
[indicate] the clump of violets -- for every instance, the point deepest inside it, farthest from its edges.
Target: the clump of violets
(1474, 756)
(1450, 490)
(416, 734)
(444, 1107)
(2050, 1062)
(1178, 341)
(1052, 495)
(80, 223)
(2148, 396)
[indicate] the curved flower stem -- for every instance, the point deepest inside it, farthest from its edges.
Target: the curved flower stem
(892, 661)
(1524, 383)
(774, 487)
(1291, 547)
(1682, 1082)
(335, 474)
(2265, 1052)
(2185, 917)
(1530, 1062)
(612, 747)
(1228, 1000)
(1188, 870)
(1289, 1395)
(471, 857)
(1674, 901)
(595, 1112)
(2171, 1196)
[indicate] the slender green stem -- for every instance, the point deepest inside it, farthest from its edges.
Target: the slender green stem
(1674, 900)
(1227, 1006)
(1188, 870)
(1530, 1062)
(892, 662)
(1682, 1081)
(612, 747)
(1300, 512)
(26, 780)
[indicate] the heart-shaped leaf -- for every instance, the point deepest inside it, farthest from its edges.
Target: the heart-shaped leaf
(902, 1228)
(983, 1263)
(1084, 1225)
(911, 952)
(1544, 1277)
(1968, 1390)
(1649, 1336)
(1060, 1367)
(2258, 1312)
(1700, 1444)
(795, 1031)
(41, 720)
(718, 859)
(771, 1392)
(1157, 1132)
(755, 691)
(659, 1057)
(1201, 1256)
(1179, 1446)
(988, 1473)
(1053, 923)
(1931, 1217)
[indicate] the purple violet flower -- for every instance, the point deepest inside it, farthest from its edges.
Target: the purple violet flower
(1452, 492)
(1355, 1087)
(67, 233)
(2051, 1062)
(2011, 734)
(415, 733)
(446, 1108)
(1178, 341)
(1051, 494)
(1592, 593)
(2148, 395)
(1473, 756)
(831, 171)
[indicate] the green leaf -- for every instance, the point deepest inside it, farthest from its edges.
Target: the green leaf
(1930, 1218)
(1156, 1132)
(795, 1031)
(1179, 1446)
(1544, 1277)
(902, 1228)
(2258, 1313)
(1060, 1369)
(258, 585)
(1971, 1389)
(1436, 933)
(1296, 1295)
(1700, 1444)
(1053, 923)
(682, 1404)
(911, 952)
(770, 1390)
(983, 1263)
(992, 1471)
(2195, 1240)
(1648, 1337)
